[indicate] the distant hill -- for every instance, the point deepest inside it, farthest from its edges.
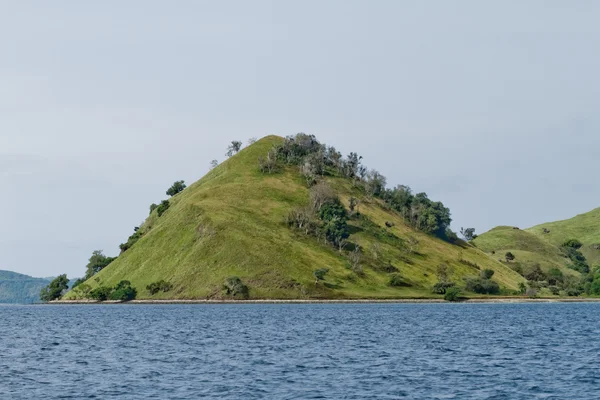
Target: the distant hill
(20, 289)
(232, 223)
(544, 246)
(584, 227)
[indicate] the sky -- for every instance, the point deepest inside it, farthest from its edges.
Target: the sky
(490, 107)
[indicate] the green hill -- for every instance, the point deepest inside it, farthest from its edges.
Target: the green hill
(232, 222)
(20, 289)
(583, 227)
(544, 246)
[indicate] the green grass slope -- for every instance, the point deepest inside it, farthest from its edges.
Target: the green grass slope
(20, 289)
(231, 223)
(541, 244)
(584, 227)
(527, 248)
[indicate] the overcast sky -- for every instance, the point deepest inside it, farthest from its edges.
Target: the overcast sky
(488, 106)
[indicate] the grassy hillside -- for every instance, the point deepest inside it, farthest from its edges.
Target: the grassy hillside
(542, 246)
(528, 248)
(584, 227)
(232, 223)
(20, 289)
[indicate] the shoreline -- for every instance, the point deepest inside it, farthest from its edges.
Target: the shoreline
(511, 300)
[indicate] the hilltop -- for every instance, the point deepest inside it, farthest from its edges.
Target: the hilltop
(20, 289)
(245, 219)
(571, 246)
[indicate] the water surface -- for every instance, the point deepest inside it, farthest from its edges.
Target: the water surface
(301, 351)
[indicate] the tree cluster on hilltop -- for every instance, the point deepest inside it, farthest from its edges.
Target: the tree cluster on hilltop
(316, 160)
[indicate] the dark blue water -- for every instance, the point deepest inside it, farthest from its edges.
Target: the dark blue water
(362, 351)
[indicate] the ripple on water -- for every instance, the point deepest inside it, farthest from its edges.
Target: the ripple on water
(318, 351)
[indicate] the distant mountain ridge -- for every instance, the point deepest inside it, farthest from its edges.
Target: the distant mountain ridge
(18, 288)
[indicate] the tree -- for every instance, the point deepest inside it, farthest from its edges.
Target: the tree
(522, 288)
(319, 274)
(153, 207)
(235, 287)
(355, 260)
(55, 289)
(320, 194)
(163, 207)
(214, 164)
(97, 262)
(468, 233)
(509, 256)
(251, 141)
(233, 148)
(375, 184)
(176, 188)
(268, 164)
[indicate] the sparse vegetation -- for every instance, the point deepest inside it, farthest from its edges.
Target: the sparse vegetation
(248, 209)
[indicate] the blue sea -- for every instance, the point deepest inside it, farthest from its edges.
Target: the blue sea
(301, 351)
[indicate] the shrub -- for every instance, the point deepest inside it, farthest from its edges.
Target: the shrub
(450, 236)
(442, 287)
(486, 274)
(554, 290)
(160, 286)
(572, 243)
(482, 286)
(319, 274)
(101, 293)
(163, 207)
(131, 241)
(126, 293)
(535, 273)
(235, 287)
(555, 276)
(153, 207)
(522, 288)
(517, 268)
(452, 294)
(176, 188)
(509, 256)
